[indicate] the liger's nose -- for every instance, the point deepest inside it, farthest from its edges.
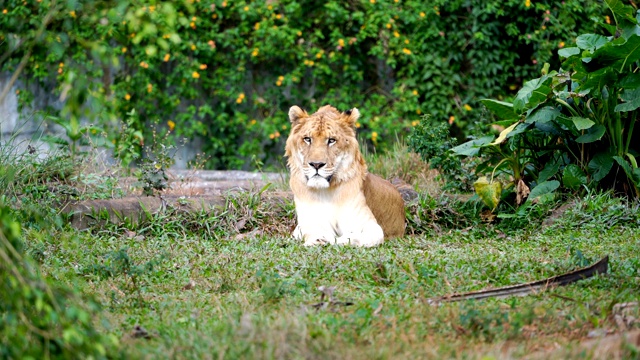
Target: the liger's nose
(317, 165)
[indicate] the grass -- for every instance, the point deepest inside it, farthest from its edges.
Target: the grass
(407, 166)
(254, 297)
(233, 284)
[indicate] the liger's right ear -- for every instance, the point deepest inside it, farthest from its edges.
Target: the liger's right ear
(296, 114)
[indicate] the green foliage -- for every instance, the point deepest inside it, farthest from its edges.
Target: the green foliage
(273, 287)
(129, 141)
(159, 156)
(77, 135)
(428, 213)
(227, 72)
(574, 126)
(41, 319)
(259, 294)
(234, 271)
(432, 140)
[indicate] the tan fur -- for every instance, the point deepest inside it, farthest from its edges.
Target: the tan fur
(337, 200)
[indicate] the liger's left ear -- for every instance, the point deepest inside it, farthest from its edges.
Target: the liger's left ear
(352, 116)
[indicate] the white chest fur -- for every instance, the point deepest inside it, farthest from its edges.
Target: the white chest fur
(330, 217)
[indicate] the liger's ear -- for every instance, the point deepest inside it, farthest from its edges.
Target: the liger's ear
(352, 115)
(296, 114)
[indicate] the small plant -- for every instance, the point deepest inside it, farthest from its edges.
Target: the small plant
(159, 156)
(120, 263)
(272, 286)
(128, 145)
(431, 139)
(77, 135)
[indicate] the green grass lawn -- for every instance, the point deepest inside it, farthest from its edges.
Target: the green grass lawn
(201, 291)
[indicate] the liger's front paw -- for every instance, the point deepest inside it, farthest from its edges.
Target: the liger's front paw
(316, 242)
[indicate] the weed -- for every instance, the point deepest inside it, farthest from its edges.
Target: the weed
(432, 140)
(405, 165)
(119, 263)
(42, 319)
(429, 213)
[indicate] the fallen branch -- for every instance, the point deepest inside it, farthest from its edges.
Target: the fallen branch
(601, 267)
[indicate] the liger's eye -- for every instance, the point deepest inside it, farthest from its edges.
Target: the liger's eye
(331, 141)
(307, 139)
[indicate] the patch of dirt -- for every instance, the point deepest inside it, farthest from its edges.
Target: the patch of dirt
(613, 347)
(557, 213)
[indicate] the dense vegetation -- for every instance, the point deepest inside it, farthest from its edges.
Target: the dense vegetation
(226, 72)
(229, 281)
(573, 127)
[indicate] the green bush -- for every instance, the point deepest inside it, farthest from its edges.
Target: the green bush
(226, 72)
(574, 127)
(39, 319)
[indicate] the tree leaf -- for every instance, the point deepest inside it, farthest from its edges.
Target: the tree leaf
(573, 177)
(503, 110)
(543, 188)
(599, 79)
(543, 115)
(567, 52)
(600, 165)
(619, 53)
(630, 81)
(594, 133)
(618, 8)
(582, 123)
(591, 42)
(472, 148)
(549, 170)
(503, 134)
(520, 128)
(488, 192)
(632, 173)
(533, 93)
(631, 100)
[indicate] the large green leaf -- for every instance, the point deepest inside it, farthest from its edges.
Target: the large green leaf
(520, 128)
(503, 110)
(543, 115)
(568, 52)
(582, 123)
(533, 93)
(632, 173)
(595, 133)
(489, 192)
(591, 42)
(631, 98)
(619, 9)
(599, 79)
(573, 177)
(543, 188)
(619, 53)
(472, 148)
(600, 165)
(631, 81)
(549, 170)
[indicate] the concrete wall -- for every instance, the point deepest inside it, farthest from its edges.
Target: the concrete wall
(21, 128)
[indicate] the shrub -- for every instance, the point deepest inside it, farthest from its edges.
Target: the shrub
(227, 71)
(39, 319)
(573, 127)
